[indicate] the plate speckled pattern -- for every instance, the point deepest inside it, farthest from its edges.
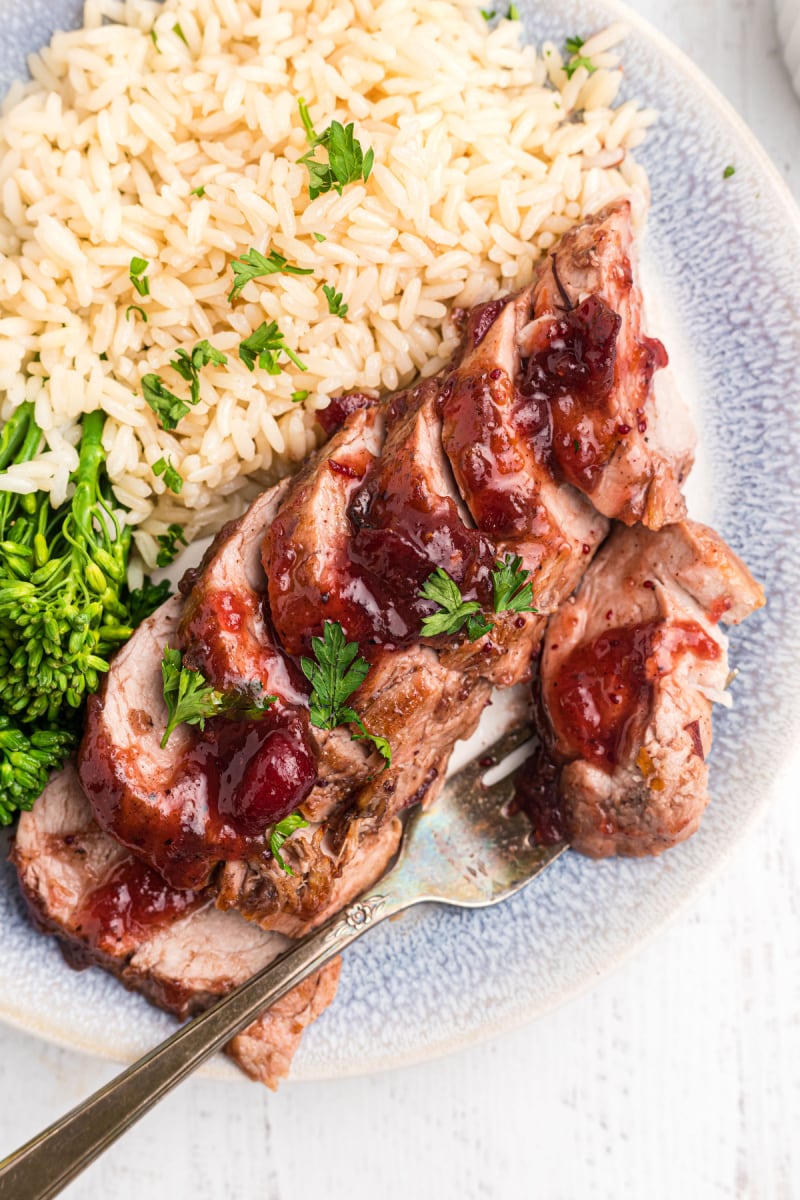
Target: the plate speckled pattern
(727, 253)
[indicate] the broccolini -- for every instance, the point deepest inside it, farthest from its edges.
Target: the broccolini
(62, 579)
(64, 607)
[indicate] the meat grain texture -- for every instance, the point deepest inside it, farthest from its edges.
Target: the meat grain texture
(543, 433)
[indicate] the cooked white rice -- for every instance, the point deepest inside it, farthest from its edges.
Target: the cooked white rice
(484, 153)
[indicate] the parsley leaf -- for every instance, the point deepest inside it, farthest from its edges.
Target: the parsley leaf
(346, 163)
(145, 600)
(137, 275)
(135, 308)
(169, 543)
(334, 298)
(574, 44)
(337, 672)
(198, 191)
(168, 407)
(488, 14)
(254, 265)
(511, 587)
(453, 612)
(191, 700)
(320, 237)
(189, 365)
(171, 477)
(571, 67)
(381, 744)
(265, 345)
(280, 832)
(176, 29)
(726, 174)
(299, 396)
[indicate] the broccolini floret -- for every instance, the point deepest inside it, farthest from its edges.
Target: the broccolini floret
(26, 759)
(62, 579)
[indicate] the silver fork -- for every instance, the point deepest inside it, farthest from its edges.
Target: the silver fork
(467, 851)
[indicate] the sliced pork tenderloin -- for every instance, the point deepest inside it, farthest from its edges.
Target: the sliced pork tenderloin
(498, 442)
(629, 670)
(206, 796)
(108, 909)
(223, 630)
(588, 360)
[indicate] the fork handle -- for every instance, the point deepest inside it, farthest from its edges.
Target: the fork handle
(47, 1163)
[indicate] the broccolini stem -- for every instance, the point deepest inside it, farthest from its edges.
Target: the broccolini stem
(87, 476)
(13, 434)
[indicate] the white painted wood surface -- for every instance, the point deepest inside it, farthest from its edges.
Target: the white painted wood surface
(679, 1076)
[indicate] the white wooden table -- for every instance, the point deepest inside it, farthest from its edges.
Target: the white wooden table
(678, 1077)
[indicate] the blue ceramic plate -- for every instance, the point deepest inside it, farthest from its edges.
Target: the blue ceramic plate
(723, 257)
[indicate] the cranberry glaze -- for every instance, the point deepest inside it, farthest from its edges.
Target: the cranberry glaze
(603, 686)
(228, 786)
(132, 902)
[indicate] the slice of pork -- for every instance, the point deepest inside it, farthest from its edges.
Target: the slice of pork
(206, 796)
(498, 442)
(223, 630)
(588, 359)
(178, 950)
(629, 671)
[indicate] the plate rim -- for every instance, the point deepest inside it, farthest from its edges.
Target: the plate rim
(218, 1067)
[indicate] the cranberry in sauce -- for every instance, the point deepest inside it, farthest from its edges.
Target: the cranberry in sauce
(483, 318)
(580, 354)
(228, 786)
(265, 780)
(340, 407)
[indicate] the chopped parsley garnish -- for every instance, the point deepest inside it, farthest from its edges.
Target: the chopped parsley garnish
(334, 298)
(176, 29)
(726, 174)
(576, 445)
(299, 396)
(135, 308)
(254, 265)
(453, 612)
(169, 545)
(138, 278)
(154, 39)
(280, 832)
(191, 700)
(172, 479)
(264, 346)
(198, 191)
(337, 672)
(512, 590)
(489, 14)
(320, 237)
(168, 407)
(189, 365)
(573, 47)
(347, 162)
